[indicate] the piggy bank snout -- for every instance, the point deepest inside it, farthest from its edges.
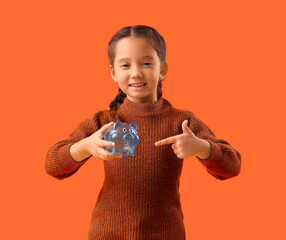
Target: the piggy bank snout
(129, 138)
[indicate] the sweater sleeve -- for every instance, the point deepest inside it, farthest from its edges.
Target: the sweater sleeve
(58, 162)
(225, 161)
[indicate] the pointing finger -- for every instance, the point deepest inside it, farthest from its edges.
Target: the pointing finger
(166, 141)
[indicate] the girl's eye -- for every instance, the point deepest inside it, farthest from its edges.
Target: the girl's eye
(147, 63)
(124, 65)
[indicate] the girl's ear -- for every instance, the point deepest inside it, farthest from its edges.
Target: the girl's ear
(112, 73)
(164, 69)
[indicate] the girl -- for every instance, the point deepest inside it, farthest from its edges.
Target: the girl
(140, 196)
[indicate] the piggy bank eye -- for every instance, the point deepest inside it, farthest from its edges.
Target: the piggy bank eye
(124, 129)
(131, 130)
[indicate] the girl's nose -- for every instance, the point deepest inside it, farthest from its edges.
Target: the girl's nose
(135, 72)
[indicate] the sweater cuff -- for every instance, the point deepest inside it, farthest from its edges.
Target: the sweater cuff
(67, 162)
(215, 157)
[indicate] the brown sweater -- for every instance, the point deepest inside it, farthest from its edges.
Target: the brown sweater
(140, 196)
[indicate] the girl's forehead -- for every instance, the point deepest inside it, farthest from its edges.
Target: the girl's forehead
(134, 47)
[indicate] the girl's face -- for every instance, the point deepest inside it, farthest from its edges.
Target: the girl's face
(137, 69)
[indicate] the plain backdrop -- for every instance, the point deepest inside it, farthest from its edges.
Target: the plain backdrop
(226, 64)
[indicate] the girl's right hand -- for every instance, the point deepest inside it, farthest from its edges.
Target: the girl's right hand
(95, 144)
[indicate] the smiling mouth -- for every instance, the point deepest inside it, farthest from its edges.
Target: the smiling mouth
(137, 84)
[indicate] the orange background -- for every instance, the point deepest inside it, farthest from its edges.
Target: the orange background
(227, 65)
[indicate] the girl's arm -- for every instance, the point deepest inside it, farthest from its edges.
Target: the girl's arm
(58, 162)
(224, 161)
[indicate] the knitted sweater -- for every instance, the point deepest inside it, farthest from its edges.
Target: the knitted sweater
(140, 196)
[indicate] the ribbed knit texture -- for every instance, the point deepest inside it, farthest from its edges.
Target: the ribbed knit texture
(140, 196)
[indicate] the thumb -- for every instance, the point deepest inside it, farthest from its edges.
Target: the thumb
(185, 127)
(104, 128)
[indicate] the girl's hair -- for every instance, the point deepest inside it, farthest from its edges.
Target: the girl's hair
(140, 31)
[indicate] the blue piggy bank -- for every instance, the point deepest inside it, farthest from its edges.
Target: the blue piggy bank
(125, 137)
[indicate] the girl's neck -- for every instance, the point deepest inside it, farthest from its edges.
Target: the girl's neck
(158, 107)
(147, 99)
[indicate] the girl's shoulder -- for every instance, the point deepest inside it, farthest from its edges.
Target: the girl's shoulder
(105, 116)
(193, 119)
(182, 112)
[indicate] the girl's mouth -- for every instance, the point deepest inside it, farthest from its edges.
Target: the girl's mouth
(137, 85)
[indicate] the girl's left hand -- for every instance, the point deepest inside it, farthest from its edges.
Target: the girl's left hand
(187, 144)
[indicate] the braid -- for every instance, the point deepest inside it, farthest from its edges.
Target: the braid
(119, 99)
(159, 90)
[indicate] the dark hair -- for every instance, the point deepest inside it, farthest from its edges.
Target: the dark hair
(149, 34)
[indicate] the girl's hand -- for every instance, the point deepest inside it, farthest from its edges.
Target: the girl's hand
(95, 144)
(187, 144)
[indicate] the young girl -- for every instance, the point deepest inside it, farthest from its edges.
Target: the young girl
(140, 196)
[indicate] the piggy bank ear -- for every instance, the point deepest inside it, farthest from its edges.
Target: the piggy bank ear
(134, 125)
(117, 123)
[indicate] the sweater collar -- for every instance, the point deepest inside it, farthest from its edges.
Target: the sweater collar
(145, 109)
